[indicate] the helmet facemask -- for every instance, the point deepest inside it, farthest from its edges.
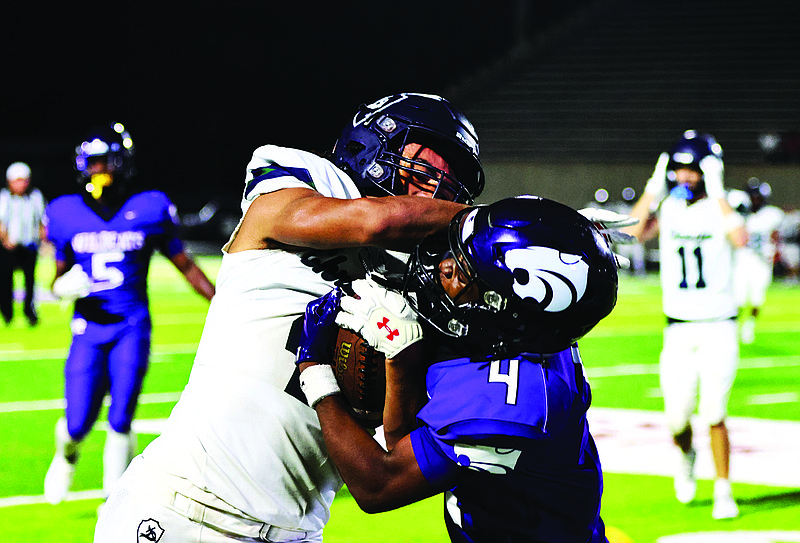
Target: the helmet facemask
(113, 146)
(453, 316)
(545, 276)
(683, 191)
(687, 153)
(371, 149)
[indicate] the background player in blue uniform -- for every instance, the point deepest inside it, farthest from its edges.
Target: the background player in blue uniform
(104, 239)
(503, 434)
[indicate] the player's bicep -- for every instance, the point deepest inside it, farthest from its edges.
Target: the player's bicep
(303, 218)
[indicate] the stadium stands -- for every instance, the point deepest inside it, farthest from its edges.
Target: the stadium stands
(622, 77)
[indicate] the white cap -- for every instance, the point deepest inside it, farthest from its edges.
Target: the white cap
(18, 170)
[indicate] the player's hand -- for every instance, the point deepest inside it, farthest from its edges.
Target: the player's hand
(319, 328)
(73, 285)
(713, 172)
(657, 184)
(382, 317)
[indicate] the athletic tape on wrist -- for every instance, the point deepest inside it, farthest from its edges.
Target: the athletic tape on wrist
(318, 382)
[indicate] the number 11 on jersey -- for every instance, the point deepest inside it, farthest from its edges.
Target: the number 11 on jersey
(698, 255)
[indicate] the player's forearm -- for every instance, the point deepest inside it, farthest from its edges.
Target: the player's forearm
(392, 222)
(405, 220)
(641, 210)
(405, 393)
(356, 454)
(201, 284)
(734, 224)
(194, 275)
(4, 239)
(379, 481)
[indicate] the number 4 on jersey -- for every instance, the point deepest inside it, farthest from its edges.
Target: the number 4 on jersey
(511, 379)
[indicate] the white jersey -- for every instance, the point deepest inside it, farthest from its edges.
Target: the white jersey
(241, 429)
(760, 227)
(696, 260)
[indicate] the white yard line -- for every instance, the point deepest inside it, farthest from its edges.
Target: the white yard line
(652, 369)
(638, 442)
(47, 405)
(140, 426)
(16, 352)
(632, 441)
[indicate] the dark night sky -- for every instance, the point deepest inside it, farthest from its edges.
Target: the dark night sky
(200, 87)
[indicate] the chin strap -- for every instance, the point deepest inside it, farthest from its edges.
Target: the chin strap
(98, 183)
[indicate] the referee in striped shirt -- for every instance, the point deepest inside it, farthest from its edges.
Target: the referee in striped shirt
(21, 232)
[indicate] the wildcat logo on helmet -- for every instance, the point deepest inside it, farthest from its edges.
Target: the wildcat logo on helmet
(541, 277)
(554, 279)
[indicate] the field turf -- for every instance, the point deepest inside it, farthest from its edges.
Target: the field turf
(620, 357)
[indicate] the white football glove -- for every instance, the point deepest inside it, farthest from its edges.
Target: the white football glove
(657, 184)
(713, 172)
(382, 317)
(73, 285)
(609, 224)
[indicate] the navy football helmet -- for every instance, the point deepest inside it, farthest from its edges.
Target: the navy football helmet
(546, 277)
(687, 153)
(759, 192)
(369, 147)
(113, 144)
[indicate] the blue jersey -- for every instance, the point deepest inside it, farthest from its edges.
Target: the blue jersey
(512, 436)
(116, 252)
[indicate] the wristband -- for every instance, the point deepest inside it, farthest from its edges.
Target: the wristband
(318, 382)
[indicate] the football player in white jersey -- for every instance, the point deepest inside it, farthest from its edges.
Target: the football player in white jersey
(242, 456)
(684, 202)
(755, 261)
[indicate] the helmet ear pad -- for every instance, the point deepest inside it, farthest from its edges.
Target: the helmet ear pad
(358, 151)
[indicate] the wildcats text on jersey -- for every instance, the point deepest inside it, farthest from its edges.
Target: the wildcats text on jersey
(106, 241)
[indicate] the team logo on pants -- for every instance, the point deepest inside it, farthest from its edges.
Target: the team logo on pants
(149, 531)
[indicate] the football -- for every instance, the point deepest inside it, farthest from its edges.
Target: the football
(361, 373)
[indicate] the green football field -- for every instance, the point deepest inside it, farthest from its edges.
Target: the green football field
(620, 356)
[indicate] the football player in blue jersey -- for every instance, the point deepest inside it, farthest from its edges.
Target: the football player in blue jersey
(502, 300)
(104, 238)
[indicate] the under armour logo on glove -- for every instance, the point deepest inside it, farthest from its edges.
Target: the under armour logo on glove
(385, 324)
(149, 530)
(382, 317)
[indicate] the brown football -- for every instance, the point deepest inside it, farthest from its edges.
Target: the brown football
(361, 373)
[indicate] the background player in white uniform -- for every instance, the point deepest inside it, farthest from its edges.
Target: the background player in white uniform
(697, 234)
(755, 262)
(242, 456)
